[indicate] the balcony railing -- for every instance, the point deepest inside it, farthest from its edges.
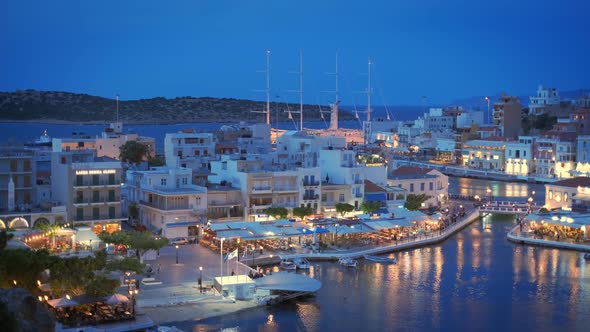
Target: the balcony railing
(311, 183)
(285, 189)
(310, 197)
(114, 200)
(162, 206)
(261, 190)
(96, 184)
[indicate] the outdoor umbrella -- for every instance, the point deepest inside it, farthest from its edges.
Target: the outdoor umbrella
(62, 302)
(116, 298)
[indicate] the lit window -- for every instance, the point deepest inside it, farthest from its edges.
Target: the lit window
(550, 195)
(565, 197)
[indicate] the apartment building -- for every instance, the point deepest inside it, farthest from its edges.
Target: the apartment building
(507, 116)
(484, 154)
(519, 156)
(416, 181)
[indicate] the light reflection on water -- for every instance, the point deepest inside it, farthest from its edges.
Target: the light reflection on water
(476, 280)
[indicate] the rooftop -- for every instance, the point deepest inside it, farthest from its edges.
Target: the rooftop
(581, 181)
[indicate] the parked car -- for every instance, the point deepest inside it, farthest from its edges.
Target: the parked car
(178, 241)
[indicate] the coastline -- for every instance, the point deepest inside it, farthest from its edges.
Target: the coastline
(128, 122)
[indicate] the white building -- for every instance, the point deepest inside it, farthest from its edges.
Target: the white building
(544, 98)
(109, 142)
(484, 155)
(168, 201)
(519, 156)
(467, 119)
(189, 149)
(341, 172)
(418, 181)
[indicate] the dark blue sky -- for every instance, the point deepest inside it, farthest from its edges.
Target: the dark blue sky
(445, 49)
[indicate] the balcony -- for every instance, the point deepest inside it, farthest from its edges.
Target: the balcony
(215, 203)
(285, 190)
(311, 197)
(359, 181)
(261, 207)
(98, 219)
(87, 201)
(90, 184)
(261, 190)
(311, 183)
(163, 207)
(358, 195)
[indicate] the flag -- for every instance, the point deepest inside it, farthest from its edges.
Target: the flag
(231, 255)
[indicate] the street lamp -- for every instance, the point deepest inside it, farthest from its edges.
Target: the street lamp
(176, 246)
(489, 114)
(128, 274)
(221, 267)
(201, 279)
(133, 293)
(489, 191)
(336, 233)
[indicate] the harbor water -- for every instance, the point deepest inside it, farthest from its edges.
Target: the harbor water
(474, 281)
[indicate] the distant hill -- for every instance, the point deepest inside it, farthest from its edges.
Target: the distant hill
(32, 105)
(480, 102)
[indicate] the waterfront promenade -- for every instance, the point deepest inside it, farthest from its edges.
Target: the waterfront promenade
(524, 237)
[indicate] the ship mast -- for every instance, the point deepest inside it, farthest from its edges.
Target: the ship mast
(369, 92)
(268, 87)
(334, 115)
(301, 90)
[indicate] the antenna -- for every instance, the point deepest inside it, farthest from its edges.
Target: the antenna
(117, 107)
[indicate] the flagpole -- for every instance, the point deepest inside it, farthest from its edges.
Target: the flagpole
(237, 259)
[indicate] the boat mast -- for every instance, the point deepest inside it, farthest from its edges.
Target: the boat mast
(334, 115)
(268, 87)
(369, 92)
(117, 107)
(301, 90)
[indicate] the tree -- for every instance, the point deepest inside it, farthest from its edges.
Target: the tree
(101, 285)
(414, 202)
(133, 211)
(50, 229)
(343, 208)
(370, 206)
(125, 264)
(277, 212)
(156, 161)
(4, 238)
(302, 212)
(133, 152)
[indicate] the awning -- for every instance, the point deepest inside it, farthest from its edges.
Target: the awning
(184, 224)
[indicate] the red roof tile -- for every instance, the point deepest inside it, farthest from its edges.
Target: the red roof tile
(410, 170)
(371, 187)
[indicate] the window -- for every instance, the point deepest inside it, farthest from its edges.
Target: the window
(341, 197)
(163, 182)
(184, 180)
(411, 187)
(324, 197)
(431, 186)
(422, 186)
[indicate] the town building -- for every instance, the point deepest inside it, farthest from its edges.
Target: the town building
(416, 181)
(507, 116)
(544, 99)
(569, 194)
(109, 142)
(484, 154)
(167, 200)
(89, 187)
(555, 155)
(519, 156)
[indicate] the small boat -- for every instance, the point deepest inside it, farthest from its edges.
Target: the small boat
(379, 259)
(288, 265)
(587, 256)
(301, 263)
(44, 140)
(347, 261)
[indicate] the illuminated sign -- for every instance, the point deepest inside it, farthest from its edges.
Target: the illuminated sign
(95, 171)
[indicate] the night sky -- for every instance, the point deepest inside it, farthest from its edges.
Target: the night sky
(446, 49)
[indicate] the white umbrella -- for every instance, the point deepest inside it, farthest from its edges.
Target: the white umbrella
(62, 303)
(116, 298)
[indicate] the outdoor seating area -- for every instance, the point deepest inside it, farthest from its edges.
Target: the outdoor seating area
(72, 313)
(565, 227)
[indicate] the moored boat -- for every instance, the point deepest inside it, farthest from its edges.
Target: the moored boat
(379, 259)
(301, 263)
(43, 140)
(587, 256)
(287, 265)
(347, 261)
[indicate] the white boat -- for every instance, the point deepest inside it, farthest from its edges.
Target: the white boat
(587, 256)
(379, 259)
(301, 263)
(288, 265)
(347, 261)
(43, 140)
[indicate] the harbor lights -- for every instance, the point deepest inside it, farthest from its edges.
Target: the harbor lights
(530, 205)
(133, 293)
(489, 192)
(176, 246)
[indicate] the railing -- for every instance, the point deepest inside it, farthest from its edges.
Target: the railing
(358, 195)
(285, 189)
(261, 189)
(311, 183)
(99, 183)
(163, 207)
(310, 197)
(101, 200)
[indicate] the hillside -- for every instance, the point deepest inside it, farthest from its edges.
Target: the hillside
(32, 105)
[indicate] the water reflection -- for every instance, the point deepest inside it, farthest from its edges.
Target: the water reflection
(476, 280)
(499, 189)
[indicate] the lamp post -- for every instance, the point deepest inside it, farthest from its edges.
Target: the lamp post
(530, 208)
(90, 245)
(128, 274)
(489, 114)
(489, 192)
(133, 293)
(336, 233)
(201, 279)
(176, 246)
(221, 266)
